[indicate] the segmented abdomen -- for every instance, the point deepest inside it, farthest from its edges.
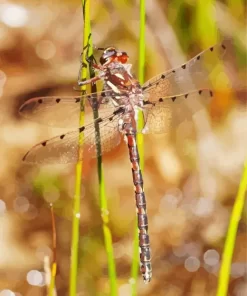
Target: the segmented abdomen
(144, 244)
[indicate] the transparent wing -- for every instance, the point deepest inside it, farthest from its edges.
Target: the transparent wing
(188, 77)
(64, 111)
(166, 114)
(65, 148)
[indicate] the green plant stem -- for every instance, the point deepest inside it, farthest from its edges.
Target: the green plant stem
(79, 165)
(106, 232)
(102, 196)
(87, 43)
(135, 261)
(141, 65)
(225, 269)
(52, 286)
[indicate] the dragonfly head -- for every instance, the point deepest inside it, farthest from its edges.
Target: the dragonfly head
(110, 54)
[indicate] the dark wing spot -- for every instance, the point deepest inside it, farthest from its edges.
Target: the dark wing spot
(44, 143)
(200, 91)
(173, 71)
(40, 101)
(211, 48)
(77, 100)
(147, 103)
(160, 100)
(186, 96)
(198, 58)
(62, 136)
(119, 110)
(223, 46)
(81, 129)
(184, 66)
(211, 93)
(174, 98)
(111, 118)
(163, 76)
(98, 120)
(58, 100)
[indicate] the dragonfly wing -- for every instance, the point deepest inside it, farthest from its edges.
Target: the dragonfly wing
(166, 114)
(65, 148)
(64, 111)
(188, 77)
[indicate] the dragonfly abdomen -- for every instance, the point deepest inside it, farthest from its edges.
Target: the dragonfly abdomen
(142, 219)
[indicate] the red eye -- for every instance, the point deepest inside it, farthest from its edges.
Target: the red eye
(123, 58)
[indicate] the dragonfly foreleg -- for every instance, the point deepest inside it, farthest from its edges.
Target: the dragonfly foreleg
(92, 65)
(88, 81)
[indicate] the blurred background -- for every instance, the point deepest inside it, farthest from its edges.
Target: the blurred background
(191, 177)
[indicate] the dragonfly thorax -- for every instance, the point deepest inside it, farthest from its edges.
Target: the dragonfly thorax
(119, 80)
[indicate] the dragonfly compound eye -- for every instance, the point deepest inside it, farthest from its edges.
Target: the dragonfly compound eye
(108, 55)
(122, 57)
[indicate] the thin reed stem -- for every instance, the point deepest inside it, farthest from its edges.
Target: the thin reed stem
(88, 51)
(102, 193)
(135, 261)
(225, 269)
(79, 165)
(52, 285)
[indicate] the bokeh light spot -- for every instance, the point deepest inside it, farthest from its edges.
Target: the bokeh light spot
(3, 79)
(51, 194)
(43, 251)
(238, 269)
(179, 251)
(211, 257)
(21, 204)
(7, 293)
(192, 264)
(45, 49)
(13, 15)
(124, 290)
(2, 207)
(35, 278)
(204, 207)
(240, 289)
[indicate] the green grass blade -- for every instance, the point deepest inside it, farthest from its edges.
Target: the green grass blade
(205, 28)
(225, 269)
(102, 194)
(52, 286)
(135, 261)
(106, 230)
(141, 65)
(79, 165)
(103, 201)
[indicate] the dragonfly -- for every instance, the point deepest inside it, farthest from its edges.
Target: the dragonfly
(164, 102)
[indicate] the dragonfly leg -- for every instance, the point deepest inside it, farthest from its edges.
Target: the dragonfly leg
(90, 60)
(93, 65)
(88, 81)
